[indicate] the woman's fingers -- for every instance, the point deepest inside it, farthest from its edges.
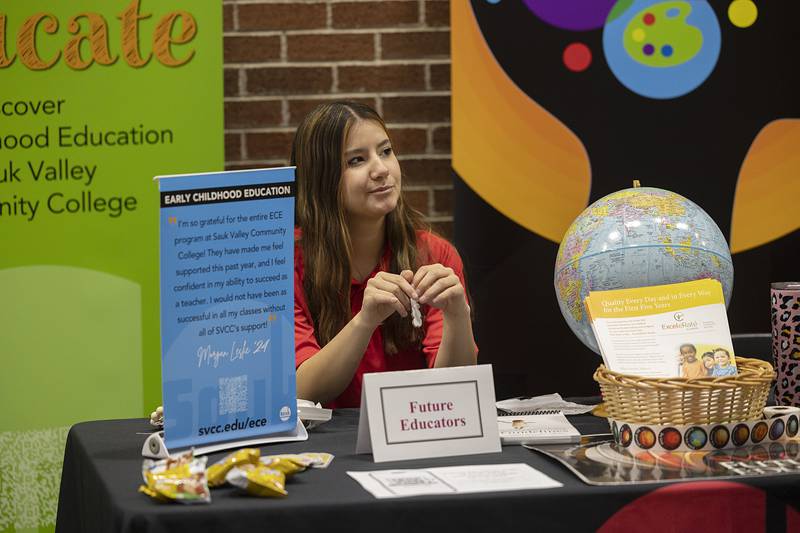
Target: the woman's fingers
(388, 299)
(408, 276)
(399, 280)
(438, 287)
(453, 291)
(394, 290)
(429, 275)
(420, 273)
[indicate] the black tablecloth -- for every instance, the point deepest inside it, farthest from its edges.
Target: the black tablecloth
(102, 471)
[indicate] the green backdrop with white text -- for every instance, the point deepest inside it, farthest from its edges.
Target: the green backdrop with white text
(79, 321)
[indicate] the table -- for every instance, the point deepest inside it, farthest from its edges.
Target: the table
(102, 470)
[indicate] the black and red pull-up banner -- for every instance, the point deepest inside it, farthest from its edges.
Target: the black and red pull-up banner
(557, 104)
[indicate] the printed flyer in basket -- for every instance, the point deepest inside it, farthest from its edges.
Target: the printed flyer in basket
(227, 305)
(664, 331)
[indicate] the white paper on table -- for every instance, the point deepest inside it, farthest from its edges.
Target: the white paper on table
(546, 402)
(453, 480)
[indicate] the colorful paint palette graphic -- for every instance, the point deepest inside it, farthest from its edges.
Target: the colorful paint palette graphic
(659, 35)
(661, 49)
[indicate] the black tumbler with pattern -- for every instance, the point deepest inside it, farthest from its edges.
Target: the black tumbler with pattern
(785, 298)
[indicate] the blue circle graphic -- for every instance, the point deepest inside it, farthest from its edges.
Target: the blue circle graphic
(666, 80)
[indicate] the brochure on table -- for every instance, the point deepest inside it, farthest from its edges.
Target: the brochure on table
(453, 480)
(436, 412)
(677, 330)
(227, 306)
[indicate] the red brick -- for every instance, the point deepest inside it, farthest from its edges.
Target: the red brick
(247, 49)
(418, 200)
(272, 145)
(233, 150)
(286, 16)
(388, 14)
(421, 171)
(443, 201)
(227, 17)
(409, 141)
(437, 13)
(382, 78)
(289, 80)
(440, 77)
(231, 81)
(253, 114)
(300, 108)
(441, 140)
(443, 228)
(331, 47)
(416, 109)
(415, 45)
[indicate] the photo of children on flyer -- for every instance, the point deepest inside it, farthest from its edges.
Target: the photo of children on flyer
(705, 360)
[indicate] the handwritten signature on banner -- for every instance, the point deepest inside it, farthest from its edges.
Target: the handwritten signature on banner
(209, 355)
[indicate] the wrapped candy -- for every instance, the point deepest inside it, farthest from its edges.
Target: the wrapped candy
(217, 472)
(317, 459)
(287, 464)
(416, 314)
(306, 459)
(181, 479)
(258, 480)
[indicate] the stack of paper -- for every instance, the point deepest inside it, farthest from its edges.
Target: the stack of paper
(537, 404)
(552, 428)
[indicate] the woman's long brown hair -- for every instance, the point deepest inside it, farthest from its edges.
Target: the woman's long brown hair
(317, 151)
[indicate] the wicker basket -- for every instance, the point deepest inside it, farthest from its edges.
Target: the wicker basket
(680, 401)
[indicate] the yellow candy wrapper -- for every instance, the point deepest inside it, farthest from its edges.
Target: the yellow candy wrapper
(258, 480)
(283, 464)
(307, 459)
(217, 472)
(181, 479)
(318, 459)
(156, 466)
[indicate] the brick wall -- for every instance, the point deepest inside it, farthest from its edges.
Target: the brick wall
(284, 57)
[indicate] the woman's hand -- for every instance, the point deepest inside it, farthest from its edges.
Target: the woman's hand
(438, 286)
(385, 294)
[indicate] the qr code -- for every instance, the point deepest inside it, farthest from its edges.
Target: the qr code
(232, 395)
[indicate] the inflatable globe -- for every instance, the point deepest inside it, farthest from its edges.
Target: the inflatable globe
(636, 238)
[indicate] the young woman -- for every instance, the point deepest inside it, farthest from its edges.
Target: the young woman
(361, 256)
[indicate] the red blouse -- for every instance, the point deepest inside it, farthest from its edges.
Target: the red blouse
(436, 250)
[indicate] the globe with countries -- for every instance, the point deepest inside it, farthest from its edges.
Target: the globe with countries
(636, 237)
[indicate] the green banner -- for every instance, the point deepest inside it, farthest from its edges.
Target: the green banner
(98, 96)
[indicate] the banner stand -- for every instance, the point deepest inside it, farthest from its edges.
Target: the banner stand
(155, 448)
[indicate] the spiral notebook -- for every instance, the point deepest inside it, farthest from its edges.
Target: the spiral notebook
(539, 427)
